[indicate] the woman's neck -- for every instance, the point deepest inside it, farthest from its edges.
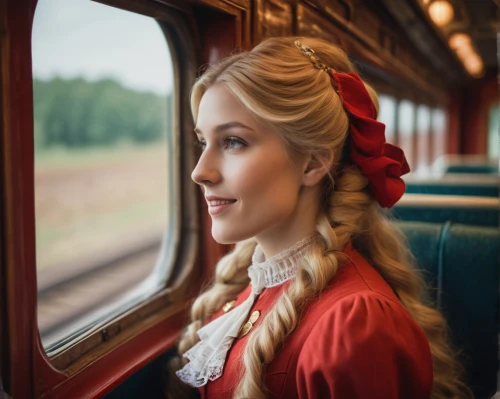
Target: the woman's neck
(300, 224)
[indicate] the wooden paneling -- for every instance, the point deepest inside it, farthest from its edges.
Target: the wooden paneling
(364, 29)
(311, 23)
(225, 5)
(229, 21)
(338, 8)
(386, 55)
(275, 18)
(366, 21)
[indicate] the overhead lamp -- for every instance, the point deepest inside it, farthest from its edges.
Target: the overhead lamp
(463, 46)
(441, 12)
(458, 40)
(474, 65)
(465, 52)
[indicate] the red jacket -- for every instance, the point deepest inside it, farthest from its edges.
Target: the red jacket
(355, 341)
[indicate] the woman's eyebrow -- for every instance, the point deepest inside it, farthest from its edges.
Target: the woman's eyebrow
(225, 126)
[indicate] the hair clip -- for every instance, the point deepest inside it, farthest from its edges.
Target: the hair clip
(315, 60)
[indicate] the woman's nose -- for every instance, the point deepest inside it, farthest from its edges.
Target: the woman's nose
(206, 170)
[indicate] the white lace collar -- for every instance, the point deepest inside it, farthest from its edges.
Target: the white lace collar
(207, 357)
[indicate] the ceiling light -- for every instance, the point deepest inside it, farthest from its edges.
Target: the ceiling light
(458, 40)
(474, 65)
(465, 52)
(441, 12)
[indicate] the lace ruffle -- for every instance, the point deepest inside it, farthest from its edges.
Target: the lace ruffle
(283, 266)
(204, 363)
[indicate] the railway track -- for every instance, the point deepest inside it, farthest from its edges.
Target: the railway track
(68, 294)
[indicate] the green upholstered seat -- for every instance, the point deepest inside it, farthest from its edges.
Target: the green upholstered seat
(481, 169)
(462, 264)
(480, 211)
(476, 164)
(479, 185)
(454, 189)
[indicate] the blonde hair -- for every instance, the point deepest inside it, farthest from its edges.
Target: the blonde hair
(279, 86)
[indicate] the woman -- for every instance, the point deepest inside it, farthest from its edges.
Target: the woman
(295, 170)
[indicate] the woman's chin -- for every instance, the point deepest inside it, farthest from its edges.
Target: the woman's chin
(224, 236)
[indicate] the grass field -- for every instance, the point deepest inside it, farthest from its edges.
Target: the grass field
(91, 200)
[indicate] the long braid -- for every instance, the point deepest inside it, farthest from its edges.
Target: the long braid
(231, 278)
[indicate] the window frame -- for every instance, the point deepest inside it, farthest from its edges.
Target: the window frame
(439, 139)
(395, 103)
(411, 137)
(423, 137)
(136, 337)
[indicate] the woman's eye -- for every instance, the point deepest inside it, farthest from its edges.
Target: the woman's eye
(202, 144)
(233, 143)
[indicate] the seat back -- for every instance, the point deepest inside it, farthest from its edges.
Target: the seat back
(480, 164)
(479, 169)
(478, 185)
(480, 211)
(462, 263)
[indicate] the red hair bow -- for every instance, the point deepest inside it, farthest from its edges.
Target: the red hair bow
(382, 163)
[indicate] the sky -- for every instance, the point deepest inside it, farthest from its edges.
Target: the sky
(73, 38)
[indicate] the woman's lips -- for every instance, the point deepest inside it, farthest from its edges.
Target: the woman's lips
(217, 206)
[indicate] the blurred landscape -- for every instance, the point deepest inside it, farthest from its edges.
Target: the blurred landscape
(101, 167)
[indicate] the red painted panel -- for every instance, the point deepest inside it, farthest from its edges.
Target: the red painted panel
(217, 34)
(454, 122)
(477, 101)
(105, 373)
(20, 269)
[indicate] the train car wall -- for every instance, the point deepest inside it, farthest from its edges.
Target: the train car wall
(214, 28)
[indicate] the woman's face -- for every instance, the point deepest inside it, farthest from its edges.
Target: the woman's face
(250, 183)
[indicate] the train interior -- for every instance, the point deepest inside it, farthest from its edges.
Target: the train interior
(105, 240)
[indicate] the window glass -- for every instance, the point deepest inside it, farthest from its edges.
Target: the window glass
(387, 115)
(406, 128)
(105, 164)
(494, 133)
(423, 137)
(439, 129)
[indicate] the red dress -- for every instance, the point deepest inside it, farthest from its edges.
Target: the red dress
(355, 341)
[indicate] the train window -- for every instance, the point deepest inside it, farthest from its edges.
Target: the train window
(439, 127)
(406, 128)
(423, 139)
(494, 133)
(387, 115)
(105, 164)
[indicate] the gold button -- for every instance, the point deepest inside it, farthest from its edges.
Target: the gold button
(245, 329)
(254, 317)
(228, 306)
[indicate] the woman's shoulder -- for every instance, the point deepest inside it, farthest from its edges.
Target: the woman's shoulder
(360, 314)
(363, 317)
(364, 343)
(358, 339)
(355, 284)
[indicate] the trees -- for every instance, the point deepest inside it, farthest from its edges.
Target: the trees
(76, 113)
